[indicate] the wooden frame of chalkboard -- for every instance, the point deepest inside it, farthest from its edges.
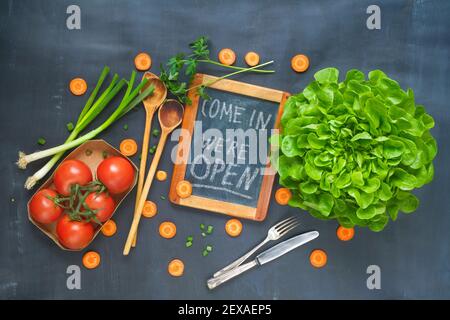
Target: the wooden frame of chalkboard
(257, 213)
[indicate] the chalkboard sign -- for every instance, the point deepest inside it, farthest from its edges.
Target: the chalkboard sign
(223, 149)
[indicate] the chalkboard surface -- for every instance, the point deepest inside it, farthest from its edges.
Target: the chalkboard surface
(224, 147)
(238, 181)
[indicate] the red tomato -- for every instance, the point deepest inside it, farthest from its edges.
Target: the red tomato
(116, 173)
(71, 172)
(101, 202)
(43, 209)
(73, 234)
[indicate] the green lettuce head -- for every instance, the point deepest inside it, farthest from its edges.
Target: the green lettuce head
(354, 150)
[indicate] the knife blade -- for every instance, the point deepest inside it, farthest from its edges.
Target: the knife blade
(264, 257)
(284, 247)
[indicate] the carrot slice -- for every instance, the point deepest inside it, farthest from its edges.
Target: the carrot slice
(143, 61)
(252, 58)
(150, 209)
(318, 258)
(128, 147)
(227, 56)
(167, 230)
(233, 227)
(109, 228)
(282, 196)
(176, 268)
(345, 234)
(184, 189)
(161, 175)
(78, 86)
(91, 260)
(300, 63)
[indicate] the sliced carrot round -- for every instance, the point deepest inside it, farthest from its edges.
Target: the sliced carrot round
(282, 196)
(176, 268)
(227, 56)
(318, 258)
(150, 209)
(91, 260)
(300, 63)
(128, 147)
(252, 58)
(184, 189)
(143, 61)
(167, 230)
(233, 227)
(78, 86)
(161, 175)
(109, 228)
(345, 234)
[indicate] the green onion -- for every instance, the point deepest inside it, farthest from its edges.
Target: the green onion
(190, 238)
(31, 181)
(152, 149)
(203, 234)
(188, 244)
(208, 248)
(210, 229)
(163, 198)
(205, 253)
(202, 226)
(70, 126)
(125, 127)
(155, 132)
(129, 101)
(41, 141)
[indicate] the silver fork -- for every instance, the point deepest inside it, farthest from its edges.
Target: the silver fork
(274, 233)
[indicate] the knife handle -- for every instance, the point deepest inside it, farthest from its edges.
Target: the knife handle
(224, 277)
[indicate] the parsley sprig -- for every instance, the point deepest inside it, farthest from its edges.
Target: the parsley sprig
(182, 65)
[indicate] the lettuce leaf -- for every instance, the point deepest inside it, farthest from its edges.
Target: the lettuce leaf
(354, 150)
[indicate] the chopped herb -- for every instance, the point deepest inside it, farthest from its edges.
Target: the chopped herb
(205, 253)
(155, 132)
(208, 248)
(152, 149)
(210, 229)
(163, 198)
(104, 154)
(125, 127)
(203, 234)
(70, 126)
(188, 244)
(41, 141)
(202, 226)
(88, 152)
(186, 65)
(190, 238)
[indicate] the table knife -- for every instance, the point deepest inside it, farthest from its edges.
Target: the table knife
(266, 256)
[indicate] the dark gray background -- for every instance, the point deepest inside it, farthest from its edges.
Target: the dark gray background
(38, 57)
(248, 105)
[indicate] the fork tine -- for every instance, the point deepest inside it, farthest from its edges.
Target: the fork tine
(284, 222)
(289, 227)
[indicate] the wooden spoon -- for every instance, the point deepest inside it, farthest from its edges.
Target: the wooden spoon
(170, 115)
(151, 104)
